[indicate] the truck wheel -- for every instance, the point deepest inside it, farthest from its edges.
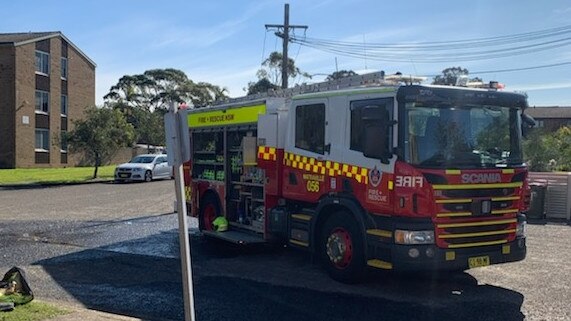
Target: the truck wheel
(341, 248)
(209, 211)
(148, 176)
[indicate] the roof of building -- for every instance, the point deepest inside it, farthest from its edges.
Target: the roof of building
(23, 38)
(549, 112)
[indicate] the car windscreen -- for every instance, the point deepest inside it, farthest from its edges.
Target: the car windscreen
(142, 160)
(464, 136)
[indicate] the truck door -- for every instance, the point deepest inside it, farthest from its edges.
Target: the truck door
(307, 149)
(374, 190)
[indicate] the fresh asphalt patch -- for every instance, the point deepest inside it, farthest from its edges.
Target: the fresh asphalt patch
(149, 287)
(114, 248)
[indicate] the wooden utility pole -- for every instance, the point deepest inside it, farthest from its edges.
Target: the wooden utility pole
(285, 36)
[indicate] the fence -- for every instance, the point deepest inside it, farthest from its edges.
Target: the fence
(558, 193)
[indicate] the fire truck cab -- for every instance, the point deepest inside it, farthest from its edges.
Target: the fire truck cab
(381, 173)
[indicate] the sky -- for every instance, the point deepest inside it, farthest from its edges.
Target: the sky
(224, 42)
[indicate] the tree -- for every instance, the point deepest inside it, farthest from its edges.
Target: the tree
(272, 69)
(451, 74)
(155, 88)
(340, 74)
(130, 91)
(546, 151)
(144, 98)
(261, 86)
(100, 135)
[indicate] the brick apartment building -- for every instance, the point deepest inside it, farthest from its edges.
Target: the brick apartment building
(45, 83)
(550, 118)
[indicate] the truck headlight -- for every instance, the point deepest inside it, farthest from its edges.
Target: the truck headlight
(521, 228)
(414, 237)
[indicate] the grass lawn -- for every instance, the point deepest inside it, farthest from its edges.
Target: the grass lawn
(53, 175)
(33, 311)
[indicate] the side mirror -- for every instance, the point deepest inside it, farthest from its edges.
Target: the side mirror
(527, 123)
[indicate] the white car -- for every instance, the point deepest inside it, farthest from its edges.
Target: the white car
(144, 168)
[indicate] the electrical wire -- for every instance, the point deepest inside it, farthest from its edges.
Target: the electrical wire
(298, 77)
(264, 47)
(521, 69)
(447, 51)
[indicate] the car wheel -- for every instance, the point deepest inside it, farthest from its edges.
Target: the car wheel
(341, 248)
(148, 176)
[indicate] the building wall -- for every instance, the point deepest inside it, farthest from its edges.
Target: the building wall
(81, 91)
(7, 106)
(25, 100)
(552, 125)
(79, 87)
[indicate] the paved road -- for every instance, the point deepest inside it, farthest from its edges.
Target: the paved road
(114, 248)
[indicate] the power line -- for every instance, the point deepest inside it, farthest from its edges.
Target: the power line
(479, 42)
(522, 69)
(264, 47)
(512, 69)
(447, 51)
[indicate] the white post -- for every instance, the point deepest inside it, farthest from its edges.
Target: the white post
(174, 139)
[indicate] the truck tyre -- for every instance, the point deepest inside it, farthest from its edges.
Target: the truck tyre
(341, 248)
(209, 211)
(148, 176)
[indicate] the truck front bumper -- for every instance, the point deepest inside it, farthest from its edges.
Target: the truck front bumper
(384, 253)
(431, 257)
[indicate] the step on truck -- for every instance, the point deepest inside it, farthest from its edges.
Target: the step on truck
(366, 172)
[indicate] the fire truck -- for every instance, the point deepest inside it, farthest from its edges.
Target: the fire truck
(370, 171)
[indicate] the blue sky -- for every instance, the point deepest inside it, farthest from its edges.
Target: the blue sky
(222, 42)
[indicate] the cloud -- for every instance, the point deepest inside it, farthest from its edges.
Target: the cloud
(205, 37)
(547, 86)
(562, 11)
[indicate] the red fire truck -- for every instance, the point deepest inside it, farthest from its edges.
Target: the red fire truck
(368, 171)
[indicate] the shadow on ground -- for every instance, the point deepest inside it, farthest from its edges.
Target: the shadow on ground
(149, 287)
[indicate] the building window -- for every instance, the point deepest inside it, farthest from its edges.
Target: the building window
(64, 105)
(63, 68)
(63, 141)
(42, 140)
(42, 101)
(540, 123)
(42, 62)
(310, 128)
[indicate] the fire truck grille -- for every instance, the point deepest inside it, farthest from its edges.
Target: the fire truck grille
(475, 233)
(491, 192)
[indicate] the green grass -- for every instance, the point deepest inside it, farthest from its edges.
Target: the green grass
(33, 311)
(53, 175)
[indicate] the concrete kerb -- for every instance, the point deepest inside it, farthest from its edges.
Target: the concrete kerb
(78, 312)
(85, 314)
(52, 184)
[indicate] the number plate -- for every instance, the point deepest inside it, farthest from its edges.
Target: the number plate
(123, 175)
(478, 261)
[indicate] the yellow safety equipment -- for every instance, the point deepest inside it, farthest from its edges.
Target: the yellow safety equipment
(220, 224)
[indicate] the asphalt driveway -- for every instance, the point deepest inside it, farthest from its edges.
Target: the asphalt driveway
(114, 248)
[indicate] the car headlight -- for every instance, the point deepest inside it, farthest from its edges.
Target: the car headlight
(137, 169)
(414, 237)
(521, 228)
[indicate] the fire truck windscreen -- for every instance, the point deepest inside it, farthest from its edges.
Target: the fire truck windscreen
(439, 135)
